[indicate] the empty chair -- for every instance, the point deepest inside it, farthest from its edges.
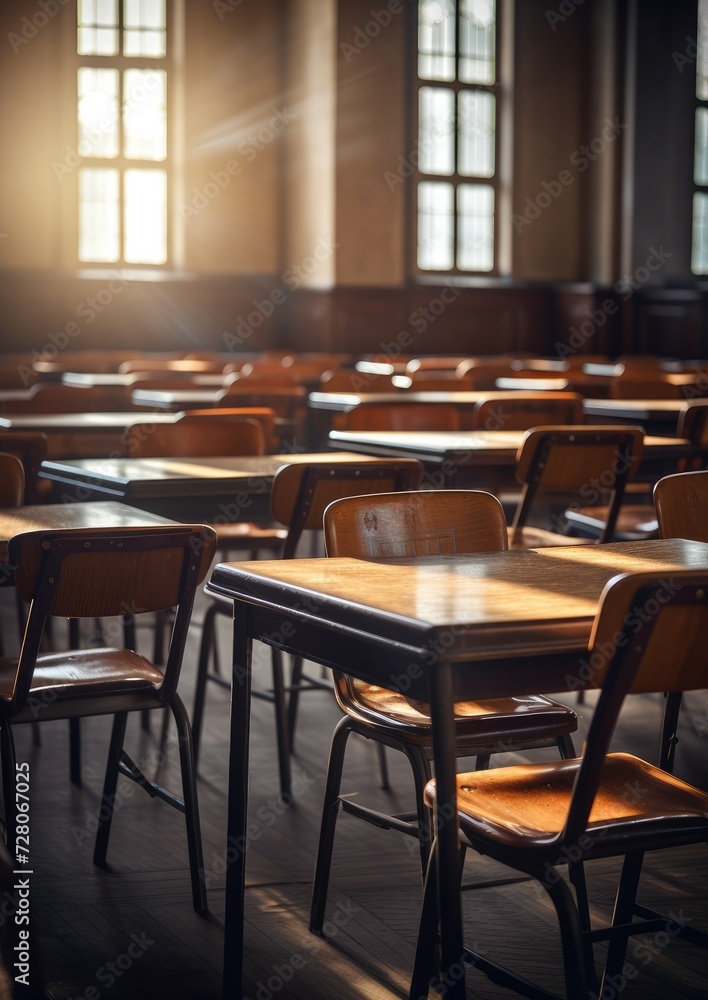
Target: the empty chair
(87, 573)
(195, 438)
(402, 417)
(427, 523)
(31, 449)
(50, 397)
(12, 481)
(558, 464)
(681, 503)
(536, 818)
(524, 410)
(354, 381)
(640, 384)
(264, 415)
(692, 424)
(301, 491)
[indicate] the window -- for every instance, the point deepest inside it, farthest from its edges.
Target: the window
(457, 91)
(121, 99)
(699, 256)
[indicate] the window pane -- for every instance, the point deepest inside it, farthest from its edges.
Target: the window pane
(475, 235)
(476, 128)
(98, 111)
(477, 41)
(435, 226)
(144, 24)
(436, 138)
(144, 115)
(97, 33)
(700, 158)
(99, 222)
(436, 40)
(702, 59)
(145, 217)
(699, 256)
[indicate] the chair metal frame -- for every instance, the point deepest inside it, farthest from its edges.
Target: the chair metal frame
(50, 574)
(579, 840)
(305, 513)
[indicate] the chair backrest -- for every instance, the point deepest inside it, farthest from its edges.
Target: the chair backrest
(403, 417)
(12, 481)
(425, 523)
(660, 650)
(264, 415)
(531, 409)
(97, 572)
(693, 422)
(355, 381)
(640, 384)
(681, 503)
(52, 398)
(194, 438)
(590, 462)
(302, 491)
(286, 401)
(31, 449)
(421, 523)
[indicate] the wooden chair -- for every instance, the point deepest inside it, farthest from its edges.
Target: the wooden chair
(195, 438)
(530, 409)
(354, 381)
(692, 424)
(564, 462)
(264, 415)
(12, 481)
(31, 449)
(48, 397)
(402, 417)
(536, 818)
(681, 503)
(87, 573)
(300, 493)
(640, 384)
(427, 523)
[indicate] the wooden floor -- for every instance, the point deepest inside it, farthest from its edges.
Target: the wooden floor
(85, 919)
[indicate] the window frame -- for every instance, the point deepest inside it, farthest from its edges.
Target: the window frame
(121, 63)
(456, 179)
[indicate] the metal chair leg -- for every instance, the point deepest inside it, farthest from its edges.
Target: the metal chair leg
(191, 805)
(205, 647)
(294, 699)
(330, 811)
(110, 783)
(383, 767)
(281, 723)
(622, 914)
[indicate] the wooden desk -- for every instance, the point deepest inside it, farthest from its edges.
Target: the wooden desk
(213, 490)
(14, 520)
(484, 459)
(125, 380)
(82, 435)
(656, 416)
(441, 629)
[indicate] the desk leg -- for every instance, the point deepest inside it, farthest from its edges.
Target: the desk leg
(237, 816)
(445, 758)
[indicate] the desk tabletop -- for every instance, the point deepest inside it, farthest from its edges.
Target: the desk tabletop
(635, 409)
(80, 422)
(470, 447)
(105, 514)
(486, 604)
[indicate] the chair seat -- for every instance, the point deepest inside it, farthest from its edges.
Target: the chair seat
(523, 808)
(635, 521)
(515, 719)
(83, 673)
(538, 538)
(249, 535)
